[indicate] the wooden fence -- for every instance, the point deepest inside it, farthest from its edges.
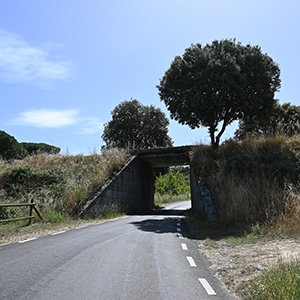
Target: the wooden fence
(30, 217)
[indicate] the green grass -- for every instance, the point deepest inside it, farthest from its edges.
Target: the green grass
(282, 282)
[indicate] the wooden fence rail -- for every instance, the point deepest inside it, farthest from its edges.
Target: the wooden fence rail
(30, 217)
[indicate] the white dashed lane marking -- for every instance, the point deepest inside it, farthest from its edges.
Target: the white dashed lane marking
(184, 246)
(207, 286)
(180, 235)
(178, 229)
(191, 261)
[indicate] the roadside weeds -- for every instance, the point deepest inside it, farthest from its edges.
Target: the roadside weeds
(236, 265)
(18, 232)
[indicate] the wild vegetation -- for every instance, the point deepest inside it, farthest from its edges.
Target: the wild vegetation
(254, 181)
(279, 283)
(173, 186)
(60, 185)
(255, 187)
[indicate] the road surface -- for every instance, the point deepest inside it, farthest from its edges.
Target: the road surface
(135, 257)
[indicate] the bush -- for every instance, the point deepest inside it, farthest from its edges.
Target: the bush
(176, 180)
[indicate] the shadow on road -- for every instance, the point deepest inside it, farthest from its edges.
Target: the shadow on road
(165, 212)
(166, 224)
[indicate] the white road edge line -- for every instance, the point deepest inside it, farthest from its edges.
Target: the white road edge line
(207, 286)
(184, 246)
(59, 232)
(80, 227)
(28, 240)
(191, 261)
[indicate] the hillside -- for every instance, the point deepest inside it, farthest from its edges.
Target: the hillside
(59, 184)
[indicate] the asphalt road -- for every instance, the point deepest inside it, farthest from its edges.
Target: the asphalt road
(135, 257)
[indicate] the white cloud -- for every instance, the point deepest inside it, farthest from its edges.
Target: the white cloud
(92, 126)
(19, 61)
(47, 118)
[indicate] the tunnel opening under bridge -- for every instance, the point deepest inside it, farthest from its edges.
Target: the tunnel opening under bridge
(156, 159)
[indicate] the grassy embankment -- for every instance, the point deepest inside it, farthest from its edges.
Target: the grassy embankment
(255, 187)
(59, 185)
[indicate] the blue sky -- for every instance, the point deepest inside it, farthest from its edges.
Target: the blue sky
(65, 65)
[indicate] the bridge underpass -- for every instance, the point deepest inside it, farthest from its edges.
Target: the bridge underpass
(132, 188)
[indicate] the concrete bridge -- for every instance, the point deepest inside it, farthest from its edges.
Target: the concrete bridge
(133, 187)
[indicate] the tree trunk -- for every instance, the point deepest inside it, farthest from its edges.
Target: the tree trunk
(214, 143)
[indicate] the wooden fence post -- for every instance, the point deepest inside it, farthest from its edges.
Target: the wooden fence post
(30, 211)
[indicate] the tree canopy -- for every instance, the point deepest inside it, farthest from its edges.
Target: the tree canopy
(214, 85)
(10, 148)
(134, 125)
(284, 118)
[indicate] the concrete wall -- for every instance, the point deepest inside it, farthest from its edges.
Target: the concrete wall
(132, 189)
(197, 204)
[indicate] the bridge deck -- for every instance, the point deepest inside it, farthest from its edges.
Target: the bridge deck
(165, 157)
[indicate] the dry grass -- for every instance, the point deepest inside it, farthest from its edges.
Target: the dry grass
(254, 181)
(60, 184)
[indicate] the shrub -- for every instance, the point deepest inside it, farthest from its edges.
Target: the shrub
(176, 180)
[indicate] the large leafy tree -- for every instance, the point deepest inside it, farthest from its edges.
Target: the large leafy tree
(214, 85)
(134, 125)
(284, 118)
